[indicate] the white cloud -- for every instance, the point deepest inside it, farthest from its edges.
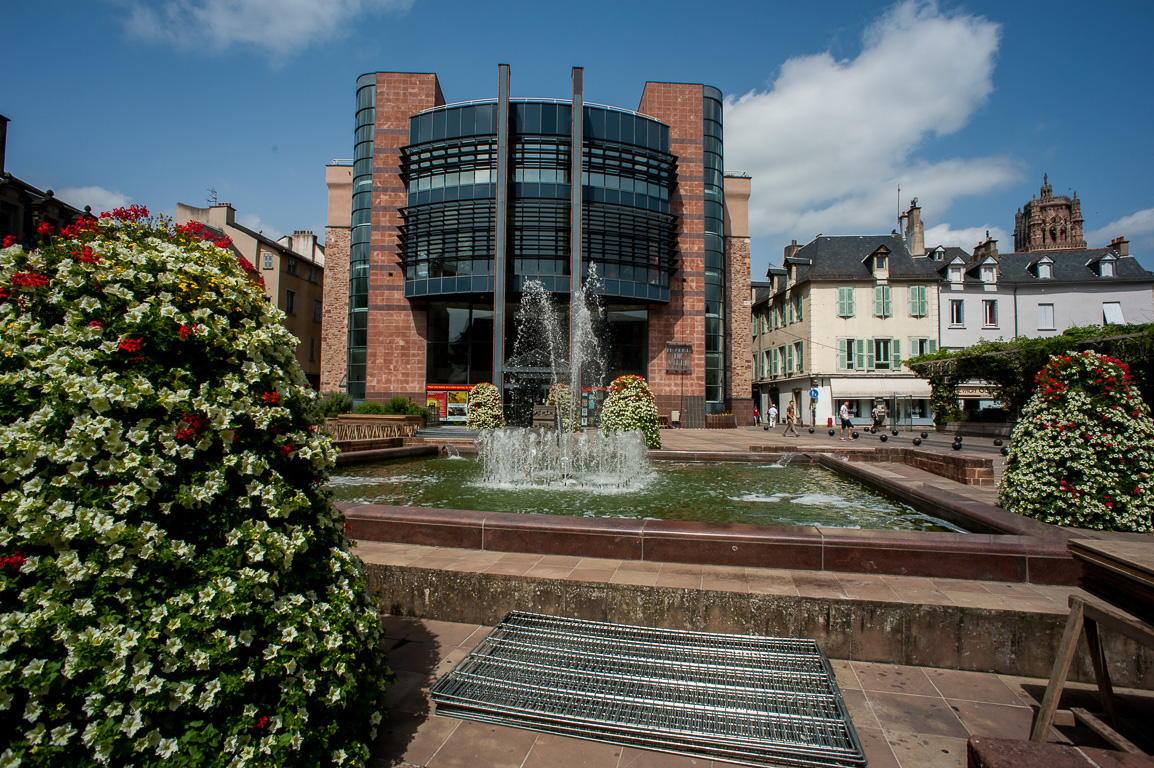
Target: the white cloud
(967, 237)
(99, 198)
(276, 26)
(1138, 228)
(829, 142)
(253, 222)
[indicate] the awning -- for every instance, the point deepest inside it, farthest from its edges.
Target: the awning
(869, 387)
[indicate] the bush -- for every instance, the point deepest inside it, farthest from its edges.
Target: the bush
(403, 406)
(174, 586)
(630, 404)
(334, 404)
(485, 409)
(1083, 451)
(370, 407)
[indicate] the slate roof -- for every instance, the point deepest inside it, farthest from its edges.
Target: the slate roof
(844, 258)
(761, 290)
(1070, 267)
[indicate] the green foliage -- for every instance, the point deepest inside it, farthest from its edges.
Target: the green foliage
(1009, 367)
(370, 407)
(175, 587)
(485, 409)
(334, 404)
(630, 404)
(403, 406)
(1082, 453)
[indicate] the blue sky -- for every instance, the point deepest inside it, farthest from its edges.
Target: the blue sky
(830, 106)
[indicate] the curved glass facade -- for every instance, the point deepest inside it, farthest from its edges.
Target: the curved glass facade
(360, 238)
(449, 169)
(715, 291)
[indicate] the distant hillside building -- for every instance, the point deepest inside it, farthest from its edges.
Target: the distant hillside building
(293, 270)
(1049, 223)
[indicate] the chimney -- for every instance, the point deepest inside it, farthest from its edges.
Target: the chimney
(304, 242)
(791, 249)
(1121, 246)
(915, 232)
(3, 140)
(989, 247)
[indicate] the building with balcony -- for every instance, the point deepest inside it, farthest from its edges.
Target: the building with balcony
(455, 208)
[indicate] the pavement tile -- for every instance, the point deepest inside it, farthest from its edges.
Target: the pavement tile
(876, 747)
(927, 750)
(998, 720)
(860, 711)
(846, 677)
(551, 751)
(590, 574)
(447, 632)
(888, 678)
(411, 739)
(622, 576)
(643, 758)
(473, 745)
(678, 580)
(973, 686)
(920, 715)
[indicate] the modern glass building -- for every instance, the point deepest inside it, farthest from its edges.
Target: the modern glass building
(455, 207)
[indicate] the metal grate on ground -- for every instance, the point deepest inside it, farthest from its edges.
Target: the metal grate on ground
(738, 698)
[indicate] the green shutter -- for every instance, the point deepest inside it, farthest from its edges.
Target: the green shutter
(932, 345)
(859, 356)
(841, 356)
(789, 358)
(799, 317)
(914, 301)
(869, 350)
(886, 309)
(773, 362)
(878, 306)
(923, 310)
(800, 356)
(896, 355)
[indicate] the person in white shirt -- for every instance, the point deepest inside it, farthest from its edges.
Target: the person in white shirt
(772, 414)
(846, 424)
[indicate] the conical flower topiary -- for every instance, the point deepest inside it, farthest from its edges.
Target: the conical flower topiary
(630, 404)
(1082, 453)
(485, 409)
(175, 588)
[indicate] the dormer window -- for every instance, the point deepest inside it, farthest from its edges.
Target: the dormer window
(1106, 268)
(939, 253)
(1045, 270)
(880, 261)
(988, 273)
(955, 274)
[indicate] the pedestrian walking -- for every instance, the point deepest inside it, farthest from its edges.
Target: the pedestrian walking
(790, 420)
(846, 424)
(756, 417)
(772, 414)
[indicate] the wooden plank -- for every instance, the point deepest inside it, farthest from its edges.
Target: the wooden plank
(1117, 740)
(1060, 671)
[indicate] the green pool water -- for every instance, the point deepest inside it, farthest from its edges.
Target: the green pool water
(762, 494)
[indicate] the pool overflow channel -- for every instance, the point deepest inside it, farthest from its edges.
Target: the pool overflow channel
(740, 698)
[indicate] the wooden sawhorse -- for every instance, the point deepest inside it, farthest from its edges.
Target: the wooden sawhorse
(1087, 614)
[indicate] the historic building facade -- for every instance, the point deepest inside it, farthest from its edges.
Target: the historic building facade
(1049, 222)
(455, 208)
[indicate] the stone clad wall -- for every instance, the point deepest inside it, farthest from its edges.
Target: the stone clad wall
(738, 333)
(680, 106)
(335, 313)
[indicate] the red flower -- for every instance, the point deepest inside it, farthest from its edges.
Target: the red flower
(95, 324)
(80, 226)
(261, 723)
(9, 241)
(13, 561)
(286, 450)
(45, 229)
(270, 397)
(131, 213)
(131, 345)
(29, 280)
(187, 330)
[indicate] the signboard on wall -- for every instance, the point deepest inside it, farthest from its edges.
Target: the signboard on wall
(678, 355)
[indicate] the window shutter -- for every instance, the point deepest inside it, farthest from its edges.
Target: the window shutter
(799, 318)
(923, 310)
(841, 356)
(841, 308)
(896, 354)
(995, 311)
(869, 351)
(773, 361)
(878, 305)
(914, 301)
(800, 356)
(789, 358)
(859, 358)
(887, 310)
(789, 311)
(932, 345)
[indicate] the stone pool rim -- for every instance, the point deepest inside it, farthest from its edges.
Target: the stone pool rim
(1004, 547)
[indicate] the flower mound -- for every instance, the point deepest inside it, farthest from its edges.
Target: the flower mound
(174, 586)
(1083, 452)
(630, 405)
(485, 410)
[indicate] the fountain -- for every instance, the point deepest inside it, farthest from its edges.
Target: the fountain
(562, 456)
